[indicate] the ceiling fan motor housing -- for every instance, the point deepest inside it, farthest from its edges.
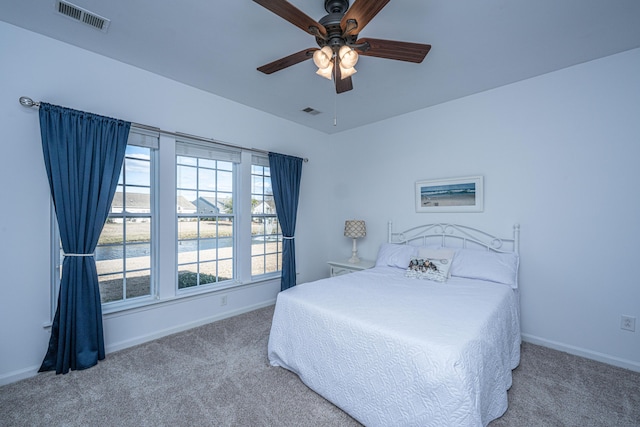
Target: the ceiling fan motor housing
(331, 22)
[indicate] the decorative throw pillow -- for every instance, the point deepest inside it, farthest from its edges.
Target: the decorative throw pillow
(434, 268)
(444, 255)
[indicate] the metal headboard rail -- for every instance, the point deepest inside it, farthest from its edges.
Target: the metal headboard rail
(462, 233)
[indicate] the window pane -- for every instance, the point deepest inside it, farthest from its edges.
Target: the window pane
(138, 256)
(272, 263)
(112, 233)
(225, 270)
(257, 265)
(138, 172)
(207, 203)
(139, 284)
(111, 287)
(187, 276)
(184, 202)
(187, 177)
(137, 199)
(208, 251)
(257, 184)
(207, 179)
(187, 229)
(208, 272)
(225, 181)
(208, 232)
(257, 247)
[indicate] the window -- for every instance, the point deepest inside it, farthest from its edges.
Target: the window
(125, 252)
(205, 213)
(266, 236)
(221, 201)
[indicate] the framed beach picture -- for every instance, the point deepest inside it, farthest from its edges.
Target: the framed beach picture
(450, 195)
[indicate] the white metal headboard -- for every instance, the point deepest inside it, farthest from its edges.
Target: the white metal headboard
(455, 235)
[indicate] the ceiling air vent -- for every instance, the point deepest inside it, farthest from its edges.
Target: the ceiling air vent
(311, 111)
(82, 15)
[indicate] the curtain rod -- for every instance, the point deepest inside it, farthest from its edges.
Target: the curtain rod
(25, 101)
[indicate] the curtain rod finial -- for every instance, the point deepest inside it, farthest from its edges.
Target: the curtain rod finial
(25, 101)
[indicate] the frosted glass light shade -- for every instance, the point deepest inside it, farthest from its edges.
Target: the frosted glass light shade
(348, 57)
(322, 58)
(346, 72)
(326, 72)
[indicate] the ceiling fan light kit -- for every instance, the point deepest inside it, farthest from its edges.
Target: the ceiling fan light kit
(337, 37)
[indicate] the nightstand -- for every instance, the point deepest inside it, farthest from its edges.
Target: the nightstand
(338, 268)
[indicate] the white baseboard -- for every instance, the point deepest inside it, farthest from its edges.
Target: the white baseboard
(16, 376)
(578, 351)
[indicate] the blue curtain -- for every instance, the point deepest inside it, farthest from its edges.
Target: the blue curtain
(83, 155)
(286, 172)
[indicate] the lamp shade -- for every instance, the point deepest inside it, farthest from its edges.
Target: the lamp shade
(355, 228)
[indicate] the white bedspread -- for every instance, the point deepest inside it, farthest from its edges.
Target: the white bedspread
(394, 351)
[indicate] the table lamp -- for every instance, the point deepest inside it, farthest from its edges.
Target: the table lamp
(355, 229)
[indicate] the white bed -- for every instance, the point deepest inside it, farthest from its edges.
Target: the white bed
(397, 351)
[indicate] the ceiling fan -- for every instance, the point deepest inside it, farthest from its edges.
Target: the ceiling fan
(337, 38)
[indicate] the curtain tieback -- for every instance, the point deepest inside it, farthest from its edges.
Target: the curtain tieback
(288, 237)
(77, 254)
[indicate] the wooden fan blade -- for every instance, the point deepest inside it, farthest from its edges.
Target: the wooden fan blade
(362, 11)
(287, 61)
(287, 11)
(390, 49)
(342, 85)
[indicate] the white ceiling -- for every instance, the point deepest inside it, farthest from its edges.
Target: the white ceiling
(216, 46)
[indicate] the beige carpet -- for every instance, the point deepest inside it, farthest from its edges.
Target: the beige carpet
(218, 375)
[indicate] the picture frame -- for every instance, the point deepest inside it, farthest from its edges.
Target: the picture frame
(465, 194)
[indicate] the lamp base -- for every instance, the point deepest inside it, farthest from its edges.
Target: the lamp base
(354, 254)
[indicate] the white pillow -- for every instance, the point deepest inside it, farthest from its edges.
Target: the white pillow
(395, 255)
(486, 265)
